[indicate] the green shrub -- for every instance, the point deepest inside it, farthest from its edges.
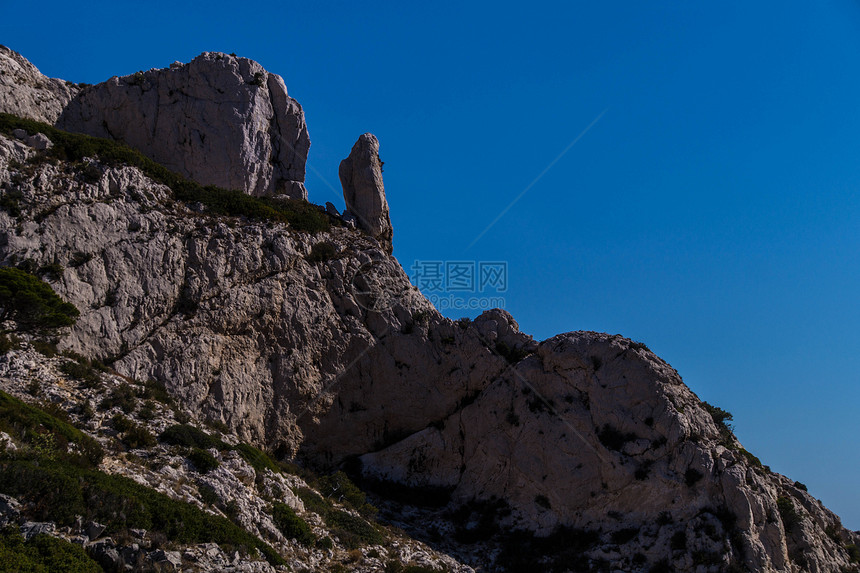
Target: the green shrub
(138, 437)
(60, 492)
(155, 390)
(352, 530)
(122, 396)
(542, 501)
(46, 349)
(203, 461)
(147, 411)
(120, 423)
(313, 502)
(679, 541)
(258, 459)
(42, 554)
(853, 553)
(512, 355)
(27, 422)
(321, 252)
(291, 525)
(692, 476)
(722, 418)
(340, 488)
(189, 436)
(752, 459)
(625, 535)
(208, 494)
(32, 303)
(614, 439)
(8, 343)
(81, 371)
(787, 512)
(563, 550)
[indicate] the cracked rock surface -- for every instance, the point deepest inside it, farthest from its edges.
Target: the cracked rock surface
(219, 120)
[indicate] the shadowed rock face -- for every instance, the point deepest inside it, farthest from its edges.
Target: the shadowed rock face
(363, 191)
(25, 92)
(220, 120)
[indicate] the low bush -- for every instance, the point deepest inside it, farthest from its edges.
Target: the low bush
(339, 487)
(614, 439)
(291, 525)
(155, 390)
(8, 343)
(321, 252)
(191, 437)
(32, 303)
(351, 530)
(203, 461)
(43, 554)
(60, 492)
(82, 371)
(258, 459)
(138, 437)
(722, 418)
(123, 397)
(512, 355)
(787, 512)
(623, 536)
(692, 476)
(563, 550)
(27, 423)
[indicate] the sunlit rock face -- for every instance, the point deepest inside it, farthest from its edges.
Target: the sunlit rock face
(219, 120)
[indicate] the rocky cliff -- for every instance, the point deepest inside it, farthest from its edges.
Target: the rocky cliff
(315, 346)
(25, 92)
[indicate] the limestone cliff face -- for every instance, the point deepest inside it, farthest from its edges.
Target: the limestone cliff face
(220, 120)
(25, 92)
(318, 347)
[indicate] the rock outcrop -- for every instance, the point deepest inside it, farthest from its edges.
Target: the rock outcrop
(220, 120)
(25, 92)
(363, 191)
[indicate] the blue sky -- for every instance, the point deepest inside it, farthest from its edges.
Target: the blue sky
(712, 212)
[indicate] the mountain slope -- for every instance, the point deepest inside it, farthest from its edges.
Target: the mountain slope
(311, 342)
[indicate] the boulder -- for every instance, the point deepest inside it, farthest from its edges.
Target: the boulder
(25, 92)
(363, 191)
(219, 120)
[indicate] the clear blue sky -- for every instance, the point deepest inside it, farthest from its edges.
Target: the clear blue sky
(712, 212)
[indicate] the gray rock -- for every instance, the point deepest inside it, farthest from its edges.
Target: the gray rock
(39, 141)
(331, 209)
(363, 191)
(25, 92)
(171, 559)
(31, 529)
(94, 530)
(19, 133)
(104, 551)
(10, 510)
(219, 120)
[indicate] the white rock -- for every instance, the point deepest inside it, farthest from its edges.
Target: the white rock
(220, 120)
